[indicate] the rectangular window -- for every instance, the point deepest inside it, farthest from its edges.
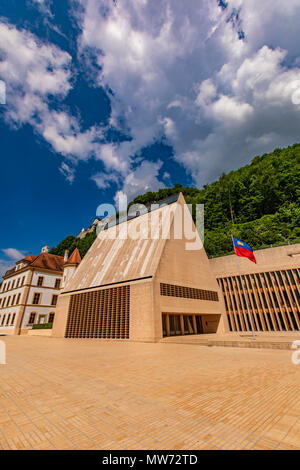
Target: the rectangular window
(13, 284)
(18, 299)
(40, 281)
(36, 298)
(8, 317)
(13, 319)
(57, 284)
(3, 320)
(31, 319)
(54, 300)
(8, 300)
(51, 317)
(42, 319)
(18, 282)
(23, 280)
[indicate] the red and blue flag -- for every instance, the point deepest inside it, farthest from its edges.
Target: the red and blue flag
(243, 250)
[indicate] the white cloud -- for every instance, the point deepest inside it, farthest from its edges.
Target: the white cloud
(178, 70)
(226, 109)
(5, 266)
(13, 253)
(142, 179)
(2, 92)
(35, 73)
(67, 171)
(207, 91)
(139, 180)
(42, 5)
(11, 256)
(181, 69)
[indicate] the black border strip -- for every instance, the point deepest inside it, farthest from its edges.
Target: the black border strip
(106, 285)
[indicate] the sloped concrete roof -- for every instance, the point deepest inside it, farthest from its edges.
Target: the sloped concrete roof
(112, 259)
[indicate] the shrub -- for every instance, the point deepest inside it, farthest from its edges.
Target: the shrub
(42, 326)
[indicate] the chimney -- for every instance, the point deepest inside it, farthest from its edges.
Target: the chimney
(45, 249)
(66, 256)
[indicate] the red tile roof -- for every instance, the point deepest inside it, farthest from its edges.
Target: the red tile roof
(48, 261)
(75, 258)
(43, 260)
(28, 258)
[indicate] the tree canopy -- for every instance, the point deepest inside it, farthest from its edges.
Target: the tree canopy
(258, 203)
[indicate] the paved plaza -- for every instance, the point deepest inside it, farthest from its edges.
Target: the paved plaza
(97, 394)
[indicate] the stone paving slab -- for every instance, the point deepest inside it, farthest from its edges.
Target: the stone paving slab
(97, 394)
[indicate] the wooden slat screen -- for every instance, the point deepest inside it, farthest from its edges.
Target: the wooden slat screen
(99, 314)
(188, 292)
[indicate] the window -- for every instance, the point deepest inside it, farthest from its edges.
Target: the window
(13, 284)
(3, 320)
(3, 287)
(13, 299)
(36, 298)
(8, 286)
(8, 317)
(23, 279)
(54, 300)
(57, 283)
(18, 299)
(8, 300)
(18, 282)
(31, 319)
(40, 281)
(51, 317)
(13, 319)
(42, 319)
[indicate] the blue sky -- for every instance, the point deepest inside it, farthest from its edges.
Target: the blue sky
(105, 98)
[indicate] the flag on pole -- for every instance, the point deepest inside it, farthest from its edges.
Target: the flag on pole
(243, 250)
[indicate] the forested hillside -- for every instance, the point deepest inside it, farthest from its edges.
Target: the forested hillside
(259, 203)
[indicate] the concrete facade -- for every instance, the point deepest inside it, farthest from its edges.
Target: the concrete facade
(272, 289)
(124, 288)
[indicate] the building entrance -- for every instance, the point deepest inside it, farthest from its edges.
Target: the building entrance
(181, 324)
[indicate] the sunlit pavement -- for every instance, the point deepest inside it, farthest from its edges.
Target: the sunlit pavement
(97, 394)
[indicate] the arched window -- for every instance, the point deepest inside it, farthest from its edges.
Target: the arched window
(31, 318)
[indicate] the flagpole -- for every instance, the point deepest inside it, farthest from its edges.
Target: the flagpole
(240, 273)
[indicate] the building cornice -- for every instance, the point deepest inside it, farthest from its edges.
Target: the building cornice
(32, 268)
